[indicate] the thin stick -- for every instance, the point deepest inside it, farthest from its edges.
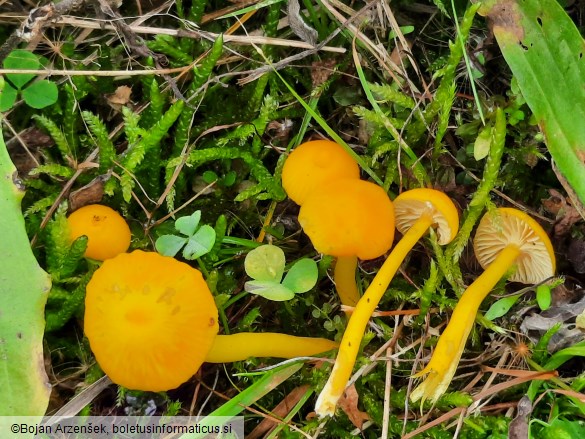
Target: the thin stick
(58, 72)
(387, 390)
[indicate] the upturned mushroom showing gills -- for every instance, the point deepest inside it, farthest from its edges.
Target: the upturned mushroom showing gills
(150, 320)
(107, 232)
(309, 167)
(416, 212)
(505, 239)
(239, 347)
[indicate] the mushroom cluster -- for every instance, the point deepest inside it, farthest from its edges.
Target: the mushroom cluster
(343, 216)
(416, 211)
(505, 240)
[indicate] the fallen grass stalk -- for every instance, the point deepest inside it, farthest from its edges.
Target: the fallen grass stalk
(544, 375)
(181, 33)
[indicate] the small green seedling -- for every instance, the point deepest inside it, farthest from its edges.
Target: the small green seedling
(265, 264)
(501, 307)
(543, 296)
(38, 94)
(481, 147)
(405, 30)
(196, 240)
(226, 181)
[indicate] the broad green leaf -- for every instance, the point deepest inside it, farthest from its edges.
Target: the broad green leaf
(22, 60)
(544, 49)
(555, 361)
(200, 243)
(7, 97)
(500, 307)
(271, 290)
(563, 429)
(188, 224)
(302, 276)
(169, 245)
(265, 263)
(543, 297)
(24, 388)
(481, 147)
(40, 94)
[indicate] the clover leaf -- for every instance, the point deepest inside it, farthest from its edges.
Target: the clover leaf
(39, 94)
(195, 242)
(265, 264)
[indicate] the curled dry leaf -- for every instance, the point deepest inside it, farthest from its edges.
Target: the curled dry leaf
(537, 324)
(120, 97)
(322, 70)
(566, 215)
(519, 425)
(280, 411)
(349, 404)
(91, 193)
(576, 254)
(572, 195)
(26, 157)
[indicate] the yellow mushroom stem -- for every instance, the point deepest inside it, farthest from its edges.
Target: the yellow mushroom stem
(344, 277)
(352, 337)
(449, 349)
(239, 347)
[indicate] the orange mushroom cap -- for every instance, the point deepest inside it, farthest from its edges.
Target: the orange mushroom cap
(150, 320)
(349, 218)
(410, 205)
(107, 232)
(313, 164)
(536, 261)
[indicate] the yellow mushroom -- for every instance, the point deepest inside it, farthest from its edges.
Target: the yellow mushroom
(150, 320)
(107, 232)
(349, 219)
(505, 239)
(314, 164)
(416, 211)
(311, 166)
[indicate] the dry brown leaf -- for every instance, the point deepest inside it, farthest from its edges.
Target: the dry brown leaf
(576, 254)
(519, 425)
(349, 404)
(280, 411)
(536, 325)
(322, 70)
(572, 195)
(120, 97)
(518, 373)
(566, 215)
(91, 193)
(35, 141)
